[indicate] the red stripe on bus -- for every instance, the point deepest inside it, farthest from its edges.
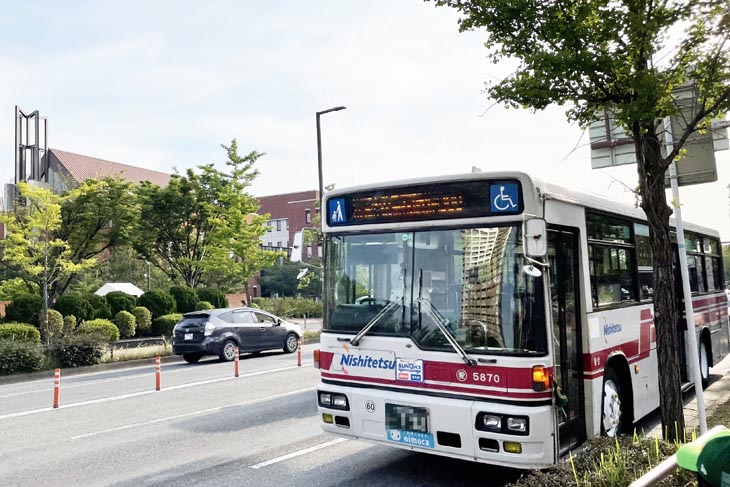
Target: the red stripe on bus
(408, 386)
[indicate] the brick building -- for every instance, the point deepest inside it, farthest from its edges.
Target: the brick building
(290, 214)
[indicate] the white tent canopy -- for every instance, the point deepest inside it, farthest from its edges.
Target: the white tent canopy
(125, 287)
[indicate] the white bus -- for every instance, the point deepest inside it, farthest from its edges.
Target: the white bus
(441, 335)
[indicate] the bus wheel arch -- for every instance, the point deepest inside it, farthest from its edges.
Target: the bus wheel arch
(617, 405)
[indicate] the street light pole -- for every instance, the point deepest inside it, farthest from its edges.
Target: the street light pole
(319, 153)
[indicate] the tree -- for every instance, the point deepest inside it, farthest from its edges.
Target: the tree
(204, 222)
(280, 280)
(97, 217)
(32, 249)
(593, 55)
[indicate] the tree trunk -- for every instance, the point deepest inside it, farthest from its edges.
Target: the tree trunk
(654, 203)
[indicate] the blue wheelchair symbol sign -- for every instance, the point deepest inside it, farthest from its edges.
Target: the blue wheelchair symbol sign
(336, 211)
(504, 197)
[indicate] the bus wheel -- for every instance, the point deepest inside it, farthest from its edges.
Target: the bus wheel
(612, 406)
(704, 364)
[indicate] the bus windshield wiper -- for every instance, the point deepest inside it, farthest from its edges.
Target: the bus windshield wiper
(441, 322)
(387, 310)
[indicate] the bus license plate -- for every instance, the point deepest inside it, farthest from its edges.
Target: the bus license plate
(406, 418)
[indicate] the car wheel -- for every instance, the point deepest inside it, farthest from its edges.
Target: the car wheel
(612, 410)
(192, 358)
(704, 365)
(291, 343)
(228, 351)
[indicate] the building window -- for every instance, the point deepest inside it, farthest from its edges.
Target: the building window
(307, 215)
(278, 225)
(278, 244)
(268, 226)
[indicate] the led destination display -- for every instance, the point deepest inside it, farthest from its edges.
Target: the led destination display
(458, 199)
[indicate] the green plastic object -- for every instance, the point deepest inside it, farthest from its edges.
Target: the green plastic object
(710, 458)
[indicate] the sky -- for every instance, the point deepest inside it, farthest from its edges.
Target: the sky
(163, 84)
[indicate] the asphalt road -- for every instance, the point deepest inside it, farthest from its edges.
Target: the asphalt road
(204, 428)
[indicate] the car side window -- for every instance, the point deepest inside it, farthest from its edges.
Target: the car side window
(262, 318)
(242, 317)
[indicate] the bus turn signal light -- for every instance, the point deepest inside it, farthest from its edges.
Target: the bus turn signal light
(540, 378)
(316, 359)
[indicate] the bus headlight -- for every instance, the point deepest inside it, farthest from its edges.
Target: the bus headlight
(492, 422)
(333, 400)
(518, 425)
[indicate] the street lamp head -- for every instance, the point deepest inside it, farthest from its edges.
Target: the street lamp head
(335, 109)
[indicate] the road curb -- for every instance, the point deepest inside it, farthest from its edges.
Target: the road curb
(127, 364)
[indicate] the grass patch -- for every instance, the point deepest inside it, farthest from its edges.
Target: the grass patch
(144, 351)
(312, 334)
(721, 415)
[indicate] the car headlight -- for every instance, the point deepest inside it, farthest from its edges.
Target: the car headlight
(209, 327)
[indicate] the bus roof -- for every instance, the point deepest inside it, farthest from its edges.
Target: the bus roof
(550, 189)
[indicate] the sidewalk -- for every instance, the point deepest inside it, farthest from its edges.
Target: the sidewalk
(718, 392)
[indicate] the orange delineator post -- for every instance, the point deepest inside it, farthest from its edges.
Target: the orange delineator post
(235, 352)
(56, 388)
(299, 352)
(157, 374)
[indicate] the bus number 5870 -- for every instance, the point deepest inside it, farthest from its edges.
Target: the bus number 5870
(485, 377)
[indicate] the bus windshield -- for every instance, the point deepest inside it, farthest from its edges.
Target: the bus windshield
(471, 280)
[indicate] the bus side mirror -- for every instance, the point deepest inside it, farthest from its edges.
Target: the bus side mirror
(534, 233)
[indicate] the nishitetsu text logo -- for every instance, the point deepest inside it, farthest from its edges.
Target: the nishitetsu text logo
(366, 361)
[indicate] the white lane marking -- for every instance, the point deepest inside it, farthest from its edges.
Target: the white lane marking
(298, 453)
(144, 393)
(194, 413)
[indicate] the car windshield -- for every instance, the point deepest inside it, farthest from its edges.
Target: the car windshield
(470, 280)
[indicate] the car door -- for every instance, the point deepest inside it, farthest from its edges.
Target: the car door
(246, 327)
(271, 332)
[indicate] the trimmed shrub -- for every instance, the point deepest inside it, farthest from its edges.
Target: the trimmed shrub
(100, 327)
(202, 305)
(17, 356)
(78, 350)
(119, 301)
(143, 318)
(20, 332)
(290, 307)
(55, 324)
(26, 308)
(100, 306)
(185, 299)
(74, 304)
(69, 324)
(159, 302)
(164, 324)
(126, 323)
(213, 295)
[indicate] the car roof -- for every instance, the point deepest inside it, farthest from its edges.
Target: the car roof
(219, 311)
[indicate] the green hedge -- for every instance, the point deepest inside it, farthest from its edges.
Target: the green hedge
(143, 318)
(290, 307)
(17, 356)
(78, 350)
(75, 304)
(100, 306)
(20, 332)
(26, 308)
(159, 302)
(213, 295)
(120, 301)
(203, 305)
(100, 327)
(185, 299)
(55, 323)
(164, 324)
(126, 323)
(69, 324)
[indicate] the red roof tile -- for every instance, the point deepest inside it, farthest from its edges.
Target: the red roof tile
(85, 167)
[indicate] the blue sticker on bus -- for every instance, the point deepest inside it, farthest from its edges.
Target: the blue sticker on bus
(336, 211)
(504, 198)
(412, 438)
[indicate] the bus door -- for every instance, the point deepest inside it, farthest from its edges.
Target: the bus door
(563, 257)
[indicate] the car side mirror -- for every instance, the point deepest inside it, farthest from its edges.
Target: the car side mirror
(278, 321)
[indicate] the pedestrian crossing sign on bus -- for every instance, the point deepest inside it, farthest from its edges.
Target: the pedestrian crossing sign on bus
(336, 211)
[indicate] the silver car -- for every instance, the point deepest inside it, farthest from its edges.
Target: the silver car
(220, 331)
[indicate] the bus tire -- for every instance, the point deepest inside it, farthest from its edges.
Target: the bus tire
(612, 404)
(704, 364)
